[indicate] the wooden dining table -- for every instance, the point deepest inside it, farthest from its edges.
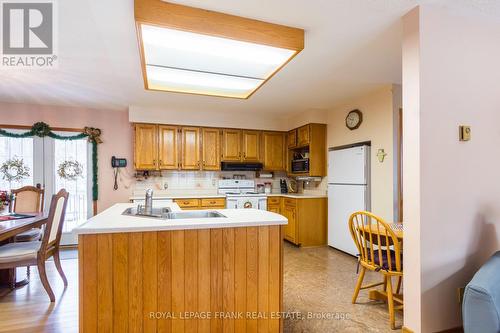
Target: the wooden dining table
(8, 230)
(396, 227)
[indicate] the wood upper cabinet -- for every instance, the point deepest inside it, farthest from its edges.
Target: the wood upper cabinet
(190, 143)
(210, 154)
(311, 139)
(303, 135)
(171, 147)
(250, 146)
(168, 153)
(146, 147)
(231, 145)
(273, 151)
(291, 138)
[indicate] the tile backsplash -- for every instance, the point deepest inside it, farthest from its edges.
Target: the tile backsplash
(205, 182)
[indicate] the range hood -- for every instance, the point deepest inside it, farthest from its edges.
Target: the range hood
(236, 166)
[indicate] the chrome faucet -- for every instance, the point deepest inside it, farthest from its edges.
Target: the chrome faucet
(148, 203)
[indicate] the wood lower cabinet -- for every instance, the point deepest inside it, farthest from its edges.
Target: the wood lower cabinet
(190, 143)
(188, 203)
(273, 151)
(204, 203)
(250, 146)
(231, 145)
(213, 203)
(290, 233)
(146, 147)
(168, 153)
(274, 204)
(210, 152)
(307, 219)
(126, 277)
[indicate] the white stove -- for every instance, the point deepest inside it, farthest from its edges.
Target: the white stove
(240, 193)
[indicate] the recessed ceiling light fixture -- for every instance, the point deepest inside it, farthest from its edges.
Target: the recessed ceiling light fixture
(196, 51)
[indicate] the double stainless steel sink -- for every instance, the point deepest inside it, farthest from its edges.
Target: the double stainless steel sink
(166, 214)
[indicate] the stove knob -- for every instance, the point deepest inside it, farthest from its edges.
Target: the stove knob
(247, 204)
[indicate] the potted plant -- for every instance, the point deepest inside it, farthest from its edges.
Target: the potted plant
(4, 201)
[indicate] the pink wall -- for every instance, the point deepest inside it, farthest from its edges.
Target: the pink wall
(116, 134)
(452, 191)
(411, 168)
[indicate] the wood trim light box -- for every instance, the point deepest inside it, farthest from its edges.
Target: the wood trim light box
(191, 50)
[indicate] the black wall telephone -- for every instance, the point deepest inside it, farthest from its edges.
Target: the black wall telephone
(117, 163)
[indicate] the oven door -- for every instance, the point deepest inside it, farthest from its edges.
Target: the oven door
(231, 203)
(248, 203)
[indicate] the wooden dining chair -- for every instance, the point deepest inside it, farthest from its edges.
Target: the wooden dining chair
(28, 199)
(379, 251)
(33, 253)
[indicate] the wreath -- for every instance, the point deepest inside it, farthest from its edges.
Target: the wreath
(70, 170)
(40, 129)
(14, 170)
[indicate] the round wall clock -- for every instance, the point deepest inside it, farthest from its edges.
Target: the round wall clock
(353, 119)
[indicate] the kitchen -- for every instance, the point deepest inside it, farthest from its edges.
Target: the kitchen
(234, 153)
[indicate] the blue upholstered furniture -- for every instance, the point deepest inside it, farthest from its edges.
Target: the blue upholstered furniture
(481, 304)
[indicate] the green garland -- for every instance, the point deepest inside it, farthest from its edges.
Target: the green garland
(41, 129)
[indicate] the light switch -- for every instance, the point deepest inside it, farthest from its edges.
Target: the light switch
(464, 133)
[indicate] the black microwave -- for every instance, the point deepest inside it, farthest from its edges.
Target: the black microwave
(300, 165)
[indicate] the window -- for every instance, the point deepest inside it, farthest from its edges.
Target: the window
(16, 147)
(43, 157)
(77, 208)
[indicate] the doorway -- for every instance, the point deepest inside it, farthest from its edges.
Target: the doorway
(51, 164)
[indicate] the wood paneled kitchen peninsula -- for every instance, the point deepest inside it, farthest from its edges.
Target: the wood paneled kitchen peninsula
(220, 274)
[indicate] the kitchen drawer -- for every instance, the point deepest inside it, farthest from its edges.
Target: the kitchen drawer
(187, 203)
(290, 202)
(274, 208)
(273, 200)
(213, 202)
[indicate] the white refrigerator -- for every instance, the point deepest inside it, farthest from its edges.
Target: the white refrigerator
(348, 192)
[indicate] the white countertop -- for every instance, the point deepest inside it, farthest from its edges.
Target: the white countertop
(297, 195)
(112, 221)
(201, 196)
(178, 196)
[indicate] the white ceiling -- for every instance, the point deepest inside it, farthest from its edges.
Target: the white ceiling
(352, 46)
